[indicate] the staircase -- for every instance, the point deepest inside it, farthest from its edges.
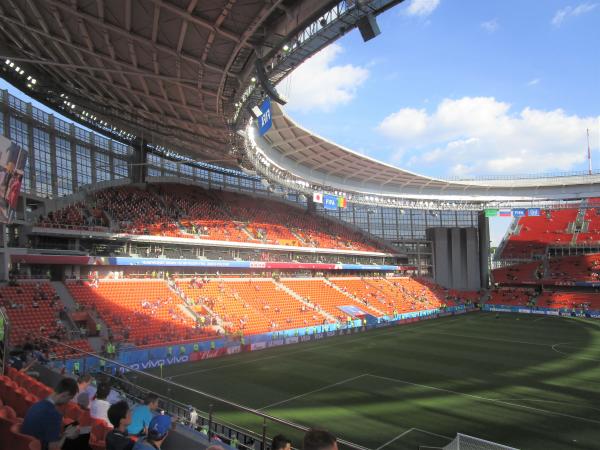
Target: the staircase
(250, 235)
(298, 297)
(580, 225)
(300, 239)
(72, 305)
(349, 295)
(190, 312)
(64, 295)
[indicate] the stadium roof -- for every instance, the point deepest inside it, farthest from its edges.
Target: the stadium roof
(169, 71)
(319, 161)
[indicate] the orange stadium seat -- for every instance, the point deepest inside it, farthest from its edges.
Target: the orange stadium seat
(186, 212)
(146, 311)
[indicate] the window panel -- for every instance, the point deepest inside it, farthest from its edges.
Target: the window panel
(102, 167)
(43, 165)
(64, 166)
(84, 165)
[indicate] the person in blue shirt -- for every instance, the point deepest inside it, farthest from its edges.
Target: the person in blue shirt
(43, 420)
(142, 415)
(158, 429)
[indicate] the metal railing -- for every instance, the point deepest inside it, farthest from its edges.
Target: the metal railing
(525, 176)
(211, 397)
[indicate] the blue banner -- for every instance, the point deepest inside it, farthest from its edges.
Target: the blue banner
(163, 262)
(534, 212)
(330, 202)
(367, 267)
(352, 310)
(265, 119)
(518, 212)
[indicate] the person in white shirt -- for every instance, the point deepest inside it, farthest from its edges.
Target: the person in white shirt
(99, 407)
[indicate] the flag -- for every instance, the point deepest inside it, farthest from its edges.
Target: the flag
(317, 197)
(330, 202)
(505, 213)
(518, 212)
(534, 212)
(491, 212)
(342, 202)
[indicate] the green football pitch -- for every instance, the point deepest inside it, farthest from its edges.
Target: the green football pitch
(531, 382)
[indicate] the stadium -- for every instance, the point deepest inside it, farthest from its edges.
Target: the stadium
(182, 256)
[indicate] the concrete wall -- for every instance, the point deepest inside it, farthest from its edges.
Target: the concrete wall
(456, 257)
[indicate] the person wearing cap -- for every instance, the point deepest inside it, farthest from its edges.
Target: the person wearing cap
(157, 433)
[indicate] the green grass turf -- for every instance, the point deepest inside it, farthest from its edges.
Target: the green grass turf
(502, 380)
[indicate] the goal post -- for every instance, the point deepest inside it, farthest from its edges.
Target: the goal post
(466, 442)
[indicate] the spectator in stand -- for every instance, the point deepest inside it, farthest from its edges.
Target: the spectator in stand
(83, 382)
(119, 415)
(99, 408)
(43, 420)
(280, 442)
(158, 430)
(142, 415)
(315, 439)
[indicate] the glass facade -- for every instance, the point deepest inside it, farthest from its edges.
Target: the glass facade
(62, 156)
(65, 156)
(393, 224)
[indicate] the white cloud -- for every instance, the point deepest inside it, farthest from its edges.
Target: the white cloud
(481, 135)
(534, 82)
(572, 11)
(321, 85)
(422, 7)
(490, 26)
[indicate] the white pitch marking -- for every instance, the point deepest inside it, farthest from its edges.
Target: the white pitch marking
(295, 397)
(492, 400)
(394, 439)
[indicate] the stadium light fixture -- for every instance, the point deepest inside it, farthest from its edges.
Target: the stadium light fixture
(7, 61)
(33, 81)
(253, 79)
(12, 64)
(17, 69)
(286, 48)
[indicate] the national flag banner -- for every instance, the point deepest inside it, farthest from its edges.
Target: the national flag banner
(342, 202)
(12, 176)
(330, 202)
(518, 212)
(491, 212)
(317, 197)
(534, 212)
(505, 213)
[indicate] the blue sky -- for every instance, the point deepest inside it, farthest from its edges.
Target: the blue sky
(462, 88)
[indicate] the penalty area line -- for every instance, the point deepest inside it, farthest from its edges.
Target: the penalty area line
(314, 391)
